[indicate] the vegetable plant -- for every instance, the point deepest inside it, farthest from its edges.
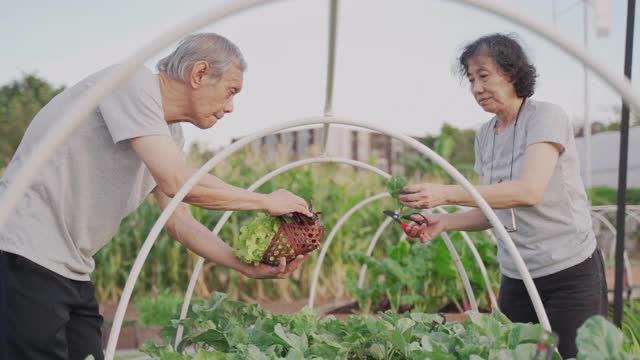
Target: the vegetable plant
(254, 238)
(419, 277)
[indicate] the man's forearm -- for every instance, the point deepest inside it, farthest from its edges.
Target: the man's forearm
(197, 238)
(214, 194)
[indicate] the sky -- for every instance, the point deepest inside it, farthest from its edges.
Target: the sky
(394, 67)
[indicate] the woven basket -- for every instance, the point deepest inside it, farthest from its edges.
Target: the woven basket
(292, 240)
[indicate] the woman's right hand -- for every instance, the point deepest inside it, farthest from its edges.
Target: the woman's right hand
(428, 230)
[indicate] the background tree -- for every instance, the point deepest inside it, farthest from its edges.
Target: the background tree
(20, 101)
(453, 144)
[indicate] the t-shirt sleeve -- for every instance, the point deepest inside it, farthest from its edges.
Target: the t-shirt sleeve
(131, 110)
(549, 124)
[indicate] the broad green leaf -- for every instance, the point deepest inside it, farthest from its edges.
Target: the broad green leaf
(522, 352)
(598, 338)
(490, 326)
(427, 318)
(294, 341)
(425, 342)
(400, 252)
(524, 333)
(499, 316)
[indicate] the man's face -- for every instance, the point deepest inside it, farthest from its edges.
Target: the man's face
(213, 100)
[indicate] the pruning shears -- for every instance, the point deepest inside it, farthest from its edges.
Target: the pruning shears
(394, 215)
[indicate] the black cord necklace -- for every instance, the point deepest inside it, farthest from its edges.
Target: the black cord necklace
(513, 146)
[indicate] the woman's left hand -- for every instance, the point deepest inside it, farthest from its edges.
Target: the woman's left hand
(424, 196)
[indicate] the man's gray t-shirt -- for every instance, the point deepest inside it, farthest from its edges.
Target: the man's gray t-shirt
(91, 182)
(555, 234)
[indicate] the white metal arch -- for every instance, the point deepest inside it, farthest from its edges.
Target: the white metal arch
(89, 101)
(325, 247)
(461, 270)
(474, 251)
(372, 245)
(54, 138)
(327, 242)
(628, 213)
(419, 147)
(454, 255)
(607, 223)
(476, 255)
(607, 207)
(227, 214)
(467, 239)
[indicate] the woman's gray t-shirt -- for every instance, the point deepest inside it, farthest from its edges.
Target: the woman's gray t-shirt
(557, 233)
(92, 181)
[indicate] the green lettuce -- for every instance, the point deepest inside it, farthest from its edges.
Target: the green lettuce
(255, 238)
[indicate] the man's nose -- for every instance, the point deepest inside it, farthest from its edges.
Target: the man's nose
(228, 107)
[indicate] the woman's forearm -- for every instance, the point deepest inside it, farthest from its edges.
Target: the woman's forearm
(499, 196)
(472, 220)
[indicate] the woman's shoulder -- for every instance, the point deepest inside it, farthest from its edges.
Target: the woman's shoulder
(485, 127)
(547, 109)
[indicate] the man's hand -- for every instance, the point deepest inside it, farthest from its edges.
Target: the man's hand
(429, 230)
(424, 196)
(282, 271)
(282, 202)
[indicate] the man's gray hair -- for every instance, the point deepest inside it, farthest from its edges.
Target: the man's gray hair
(216, 50)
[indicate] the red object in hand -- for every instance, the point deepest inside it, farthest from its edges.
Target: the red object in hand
(404, 228)
(392, 214)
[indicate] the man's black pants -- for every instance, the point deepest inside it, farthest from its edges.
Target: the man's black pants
(569, 297)
(44, 315)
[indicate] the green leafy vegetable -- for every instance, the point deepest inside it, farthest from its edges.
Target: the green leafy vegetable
(395, 185)
(226, 329)
(255, 238)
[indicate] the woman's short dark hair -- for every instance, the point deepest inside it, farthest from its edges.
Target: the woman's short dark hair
(510, 58)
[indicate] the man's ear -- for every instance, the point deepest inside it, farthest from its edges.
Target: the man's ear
(199, 73)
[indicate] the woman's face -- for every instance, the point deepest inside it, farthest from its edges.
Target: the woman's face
(490, 87)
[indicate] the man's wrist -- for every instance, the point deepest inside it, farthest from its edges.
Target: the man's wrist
(245, 269)
(262, 202)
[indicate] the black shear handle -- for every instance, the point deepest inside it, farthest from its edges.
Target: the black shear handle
(408, 217)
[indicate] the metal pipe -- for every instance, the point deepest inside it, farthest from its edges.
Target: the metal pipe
(625, 258)
(622, 166)
(332, 234)
(331, 61)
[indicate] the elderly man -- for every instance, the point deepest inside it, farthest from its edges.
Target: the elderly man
(127, 148)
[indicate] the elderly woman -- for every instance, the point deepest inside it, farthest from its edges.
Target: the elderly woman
(527, 161)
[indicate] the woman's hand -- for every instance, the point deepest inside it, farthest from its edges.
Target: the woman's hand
(282, 271)
(428, 230)
(424, 196)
